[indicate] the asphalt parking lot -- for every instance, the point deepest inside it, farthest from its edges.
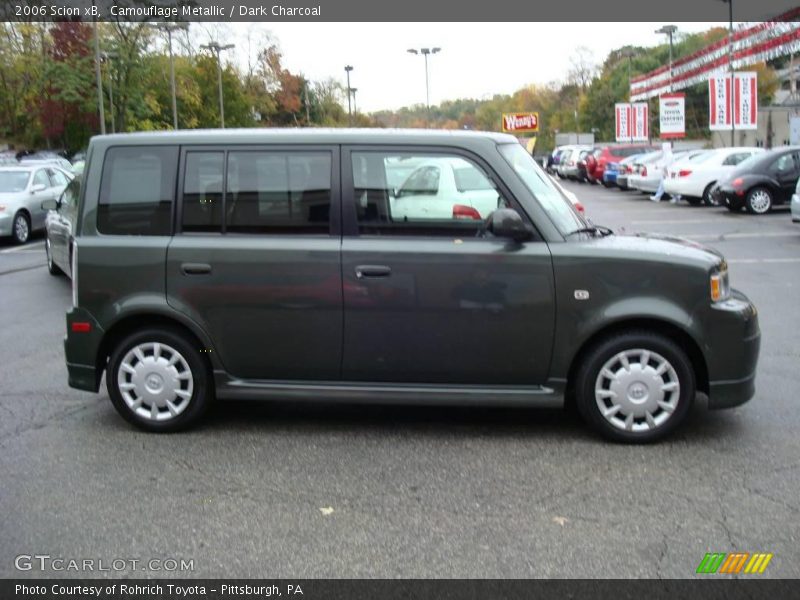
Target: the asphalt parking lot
(414, 492)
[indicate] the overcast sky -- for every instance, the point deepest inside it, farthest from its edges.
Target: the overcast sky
(476, 60)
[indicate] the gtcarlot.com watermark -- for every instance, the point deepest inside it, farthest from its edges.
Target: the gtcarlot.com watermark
(57, 564)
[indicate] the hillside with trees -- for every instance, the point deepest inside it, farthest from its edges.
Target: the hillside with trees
(48, 95)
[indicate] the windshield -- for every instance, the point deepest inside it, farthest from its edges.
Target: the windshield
(555, 204)
(13, 181)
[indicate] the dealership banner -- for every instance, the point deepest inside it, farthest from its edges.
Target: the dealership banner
(733, 100)
(632, 121)
(672, 115)
(752, 43)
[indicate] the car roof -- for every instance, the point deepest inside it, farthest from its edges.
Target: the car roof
(307, 135)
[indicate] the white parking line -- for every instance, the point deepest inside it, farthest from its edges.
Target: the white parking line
(674, 221)
(726, 236)
(751, 261)
(27, 248)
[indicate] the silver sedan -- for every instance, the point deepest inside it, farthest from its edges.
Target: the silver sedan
(23, 188)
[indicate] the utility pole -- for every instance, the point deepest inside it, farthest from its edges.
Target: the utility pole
(215, 48)
(168, 28)
(355, 108)
(347, 70)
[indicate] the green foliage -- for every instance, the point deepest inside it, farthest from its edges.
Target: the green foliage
(48, 93)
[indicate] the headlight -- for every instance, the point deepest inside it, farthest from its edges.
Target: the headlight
(720, 284)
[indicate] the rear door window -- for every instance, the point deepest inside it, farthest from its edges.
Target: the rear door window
(137, 190)
(278, 192)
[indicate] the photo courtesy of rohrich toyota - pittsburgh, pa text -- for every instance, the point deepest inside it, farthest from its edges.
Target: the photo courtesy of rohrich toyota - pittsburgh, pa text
(358, 299)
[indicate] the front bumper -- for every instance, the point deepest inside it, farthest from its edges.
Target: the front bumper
(732, 347)
(81, 351)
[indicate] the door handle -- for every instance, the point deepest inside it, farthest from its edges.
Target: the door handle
(372, 271)
(195, 269)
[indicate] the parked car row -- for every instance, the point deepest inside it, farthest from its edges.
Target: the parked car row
(738, 177)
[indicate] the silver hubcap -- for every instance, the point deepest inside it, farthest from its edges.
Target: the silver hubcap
(637, 390)
(760, 201)
(21, 228)
(155, 381)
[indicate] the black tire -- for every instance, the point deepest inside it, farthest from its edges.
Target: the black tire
(21, 234)
(708, 200)
(734, 207)
(52, 267)
(605, 350)
(693, 200)
(607, 184)
(202, 393)
(757, 199)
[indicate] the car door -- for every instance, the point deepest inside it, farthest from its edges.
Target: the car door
(256, 261)
(35, 199)
(431, 301)
(786, 170)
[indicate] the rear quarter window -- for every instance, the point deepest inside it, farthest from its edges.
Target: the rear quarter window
(137, 190)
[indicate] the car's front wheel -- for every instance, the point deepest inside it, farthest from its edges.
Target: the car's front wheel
(158, 381)
(635, 386)
(52, 267)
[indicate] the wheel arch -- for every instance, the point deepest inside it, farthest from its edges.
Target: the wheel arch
(666, 328)
(137, 321)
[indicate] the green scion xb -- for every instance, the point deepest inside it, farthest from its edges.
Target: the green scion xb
(380, 266)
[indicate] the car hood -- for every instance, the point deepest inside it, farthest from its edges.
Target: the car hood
(659, 247)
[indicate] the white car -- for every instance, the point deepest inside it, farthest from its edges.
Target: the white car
(444, 188)
(796, 203)
(649, 177)
(695, 179)
(23, 188)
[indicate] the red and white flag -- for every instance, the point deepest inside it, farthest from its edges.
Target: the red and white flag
(632, 121)
(733, 99)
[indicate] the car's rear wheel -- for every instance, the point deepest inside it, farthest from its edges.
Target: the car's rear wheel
(759, 201)
(635, 386)
(52, 267)
(708, 198)
(21, 228)
(158, 381)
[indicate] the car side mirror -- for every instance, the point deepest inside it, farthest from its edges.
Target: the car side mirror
(38, 187)
(507, 223)
(50, 204)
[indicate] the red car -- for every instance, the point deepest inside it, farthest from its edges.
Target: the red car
(604, 155)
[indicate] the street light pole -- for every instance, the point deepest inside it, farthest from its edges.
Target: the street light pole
(355, 108)
(99, 79)
(629, 53)
(670, 31)
(107, 58)
(730, 68)
(169, 28)
(217, 49)
(347, 70)
(425, 52)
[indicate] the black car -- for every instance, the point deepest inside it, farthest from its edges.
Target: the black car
(761, 182)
